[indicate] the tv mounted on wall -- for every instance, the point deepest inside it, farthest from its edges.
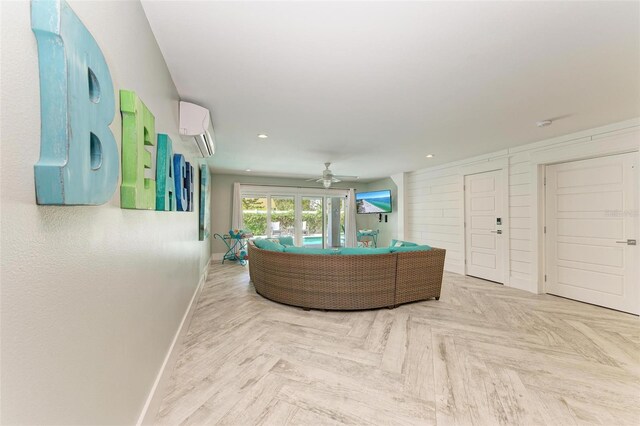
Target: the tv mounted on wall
(374, 202)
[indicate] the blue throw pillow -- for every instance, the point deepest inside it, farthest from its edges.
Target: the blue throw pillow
(286, 241)
(364, 250)
(268, 245)
(394, 243)
(409, 249)
(309, 250)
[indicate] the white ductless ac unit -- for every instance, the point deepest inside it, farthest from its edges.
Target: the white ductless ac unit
(196, 121)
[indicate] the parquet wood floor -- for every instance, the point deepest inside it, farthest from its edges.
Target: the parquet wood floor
(484, 354)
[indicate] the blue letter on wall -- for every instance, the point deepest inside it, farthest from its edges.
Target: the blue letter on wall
(180, 176)
(78, 154)
(165, 186)
(191, 188)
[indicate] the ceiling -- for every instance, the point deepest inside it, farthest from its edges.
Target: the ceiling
(375, 86)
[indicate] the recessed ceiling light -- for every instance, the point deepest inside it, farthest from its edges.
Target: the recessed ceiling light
(248, 170)
(429, 155)
(262, 136)
(544, 123)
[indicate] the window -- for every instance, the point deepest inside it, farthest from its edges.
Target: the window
(313, 217)
(254, 215)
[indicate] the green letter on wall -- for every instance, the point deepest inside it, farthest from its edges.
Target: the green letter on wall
(138, 130)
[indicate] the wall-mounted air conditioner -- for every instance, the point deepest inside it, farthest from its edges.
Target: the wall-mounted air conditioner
(196, 121)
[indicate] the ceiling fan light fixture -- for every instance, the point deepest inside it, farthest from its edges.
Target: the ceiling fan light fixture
(263, 135)
(326, 183)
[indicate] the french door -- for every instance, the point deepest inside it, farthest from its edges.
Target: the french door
(313, 220)
(313, 223)
(281, 216)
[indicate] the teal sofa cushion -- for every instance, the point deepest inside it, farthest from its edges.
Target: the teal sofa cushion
(409, 249)
(285, 241)
(402, 243)
(310, 250)
(364, 250)
(268, 245)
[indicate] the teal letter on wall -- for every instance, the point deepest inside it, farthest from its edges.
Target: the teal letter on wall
(165, 186)
(180, 176)
(78, 154)
(138, 130)
(189, 186)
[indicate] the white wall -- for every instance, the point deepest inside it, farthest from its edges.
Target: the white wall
(91, 296)
(435, 196)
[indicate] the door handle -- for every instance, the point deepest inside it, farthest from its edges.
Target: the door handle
(500, 232)
(627, 242)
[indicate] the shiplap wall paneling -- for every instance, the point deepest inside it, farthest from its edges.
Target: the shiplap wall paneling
(435, 212)
(520, 226)
(435, 203)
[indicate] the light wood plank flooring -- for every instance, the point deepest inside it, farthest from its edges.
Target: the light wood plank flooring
(483, 355)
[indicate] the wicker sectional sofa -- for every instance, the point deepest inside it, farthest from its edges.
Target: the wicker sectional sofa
(346, 282)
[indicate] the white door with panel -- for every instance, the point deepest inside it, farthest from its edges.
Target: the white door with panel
(592, 231)
(484, 225)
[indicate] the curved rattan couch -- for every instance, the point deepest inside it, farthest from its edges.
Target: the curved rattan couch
(346, 282)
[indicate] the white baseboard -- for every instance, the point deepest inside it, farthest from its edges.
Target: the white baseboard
(456, 269)
(152, 405)
(526, 285)
(217, 256)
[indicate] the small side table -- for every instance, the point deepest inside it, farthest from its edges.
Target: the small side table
(236, 247)
(367, 237)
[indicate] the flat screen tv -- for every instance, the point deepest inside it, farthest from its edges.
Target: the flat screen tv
(374, 201)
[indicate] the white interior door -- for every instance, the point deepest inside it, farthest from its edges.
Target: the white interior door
(591, 224)
(484, 225)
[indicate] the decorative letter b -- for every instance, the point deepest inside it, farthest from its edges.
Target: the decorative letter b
(78, 154)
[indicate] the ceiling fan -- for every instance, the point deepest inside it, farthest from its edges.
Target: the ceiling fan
(329, 178)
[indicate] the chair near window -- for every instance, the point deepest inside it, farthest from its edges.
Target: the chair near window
(367, 238)
(275, 229)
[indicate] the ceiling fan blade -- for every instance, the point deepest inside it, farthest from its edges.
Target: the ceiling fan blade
(327, 175)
